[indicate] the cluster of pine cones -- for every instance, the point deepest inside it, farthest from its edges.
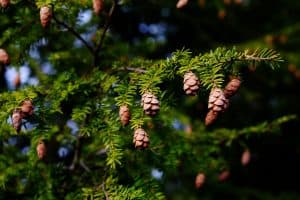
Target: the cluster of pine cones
(24, 111)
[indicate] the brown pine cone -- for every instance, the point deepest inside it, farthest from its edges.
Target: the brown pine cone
(224, 175)
(17, 81)
(246, 157)
(211, 117)
(124, 114)
(181, 3)
(217, 101)
(199, 181)
(17, 119)
(191, 83)
(4, 57)
(45, 15)
(140, 139)
(150, 104)
(4, 3)
(98, 6)
(232, 87)
(27, 108)
(41, 150)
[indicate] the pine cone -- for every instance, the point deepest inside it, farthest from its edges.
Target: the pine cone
(98, 6)
(150, 104)
(211, 117)
(199, 181)
(4, 57)
(224, 175)
(191, 83)
(41, 150)
(124, 114)
(140, 139)
(4, 3)
(246, 156)
(181, 3)
(17, 81)
(45, 15)
(17, 119)
(232, 87)
(27, 108)
(217, 101)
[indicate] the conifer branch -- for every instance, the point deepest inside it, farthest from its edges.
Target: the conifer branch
(106, 26)
(74, 32)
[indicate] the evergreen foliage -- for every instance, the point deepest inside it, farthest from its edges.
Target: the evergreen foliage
(90, 154)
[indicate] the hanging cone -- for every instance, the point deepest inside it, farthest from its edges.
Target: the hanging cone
(17, 119)
(191, 83)
(224, 175)
(246, 157)
(217, 101)
(181, 3)
(232, 87)
(124, 114)
(4, 3)
(211, 117)
(27, 108)
(98, 6)
(199, 181)
(150, 104)
(140, 139)
(41, 150)
(4, 57)
(17, 81)
(45, 16)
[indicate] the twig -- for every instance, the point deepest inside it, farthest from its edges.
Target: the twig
(77, 153)
(74, 32)
(105, 192)
(106, 26)
(84, 166)
(138, 70)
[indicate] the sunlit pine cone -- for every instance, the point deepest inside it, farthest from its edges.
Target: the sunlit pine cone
(41, 150)
(232, 87)
(246, 157)
(181, 3)
(98, 6)
(124, 114)
(141, 139)
(45, 15)
(199, 181)
(4, 3)
(217, 101)
(191, 83)
(27, 108)
(17, 119)
(150, 104)
(211, 117)
(4, 57)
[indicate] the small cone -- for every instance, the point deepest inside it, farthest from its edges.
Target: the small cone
(191, 83)
(17, 81)
(98, 6)
(246, 157)
(41, 150)
(199, 181)
(217, 101)
(4, 3)
(4, 57)
(45, 16)
(141, 139)
(181, 3)
(150, 104)
(232, 87)
(211, 117)
(124, 115)
(27, 108)
(223, 176)
(17, 119)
